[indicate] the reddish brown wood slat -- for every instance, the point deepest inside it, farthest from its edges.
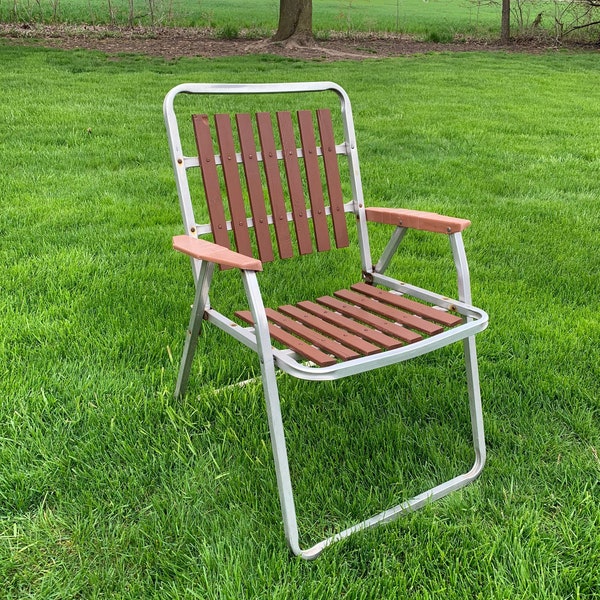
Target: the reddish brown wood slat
(294, 179)
(389, 312)
(274, 186)
(233, 186)
(416, 219)
(210, 179)
(333, 331)
(379, 323)
(313, 179)
(310, 335)
(254, 186)
(356, 327)
(416, 308)
(332, 177)
(205, 250)
(293, 343)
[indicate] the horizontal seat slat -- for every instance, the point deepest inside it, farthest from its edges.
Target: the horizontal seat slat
(368, 333)
(389, 312)
(412, 306)
(287, 339)
(331, 330)
(312, 336)
(380, 323)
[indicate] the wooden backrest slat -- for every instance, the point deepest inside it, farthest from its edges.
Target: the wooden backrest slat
(233, 186)
(313, 179)
(254, 185)
(210, 179)
(303, 190)
(274, 186)
(332, 177)
(294, 179)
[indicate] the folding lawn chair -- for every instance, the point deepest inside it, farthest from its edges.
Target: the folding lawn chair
(377, 322)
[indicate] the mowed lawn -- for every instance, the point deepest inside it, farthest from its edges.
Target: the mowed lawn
(111, 488)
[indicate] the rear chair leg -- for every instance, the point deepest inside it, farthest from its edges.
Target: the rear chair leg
(470, 351)
(195, 325)
(475, 405)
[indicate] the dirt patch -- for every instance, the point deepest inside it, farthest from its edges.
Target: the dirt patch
(172, 43)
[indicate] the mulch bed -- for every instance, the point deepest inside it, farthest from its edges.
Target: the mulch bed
(172, 42)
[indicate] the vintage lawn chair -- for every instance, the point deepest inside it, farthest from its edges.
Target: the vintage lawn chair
(377, 322)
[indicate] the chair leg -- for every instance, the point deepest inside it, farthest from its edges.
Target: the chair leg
(193, 331)
(278, 445)
(271, 392)
(282, 470)
(283, 475)
(475, 406)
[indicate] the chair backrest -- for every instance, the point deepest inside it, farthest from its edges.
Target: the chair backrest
(261, 171)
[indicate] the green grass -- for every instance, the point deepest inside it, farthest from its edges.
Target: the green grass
(110, 488)
(437, 17)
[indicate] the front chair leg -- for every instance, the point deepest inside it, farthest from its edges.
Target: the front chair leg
(195, 325)
(276, 431)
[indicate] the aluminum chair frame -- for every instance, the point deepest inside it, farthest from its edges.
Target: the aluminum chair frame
(206, 255)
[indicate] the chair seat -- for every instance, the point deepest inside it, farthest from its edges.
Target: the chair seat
(361, 321)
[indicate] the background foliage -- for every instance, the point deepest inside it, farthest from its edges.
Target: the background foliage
(441, 20)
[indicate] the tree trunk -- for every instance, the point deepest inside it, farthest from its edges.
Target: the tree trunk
(295, 21)
(505, 25)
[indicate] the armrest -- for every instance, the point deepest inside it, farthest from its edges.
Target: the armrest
(416, 219)
(205, 250)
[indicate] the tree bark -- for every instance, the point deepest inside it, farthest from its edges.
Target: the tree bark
(295, 21)
(505, 25)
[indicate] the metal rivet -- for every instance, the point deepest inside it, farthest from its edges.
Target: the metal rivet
(180, 161)
(193, 230)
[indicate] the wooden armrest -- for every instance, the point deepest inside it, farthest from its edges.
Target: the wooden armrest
(205, 250)
(416, 219)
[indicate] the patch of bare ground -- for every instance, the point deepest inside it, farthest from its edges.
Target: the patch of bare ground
(173, 42)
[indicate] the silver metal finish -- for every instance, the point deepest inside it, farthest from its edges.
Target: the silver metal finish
(193, 331)
(257, 338)
(267, 368)
(390, 249)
